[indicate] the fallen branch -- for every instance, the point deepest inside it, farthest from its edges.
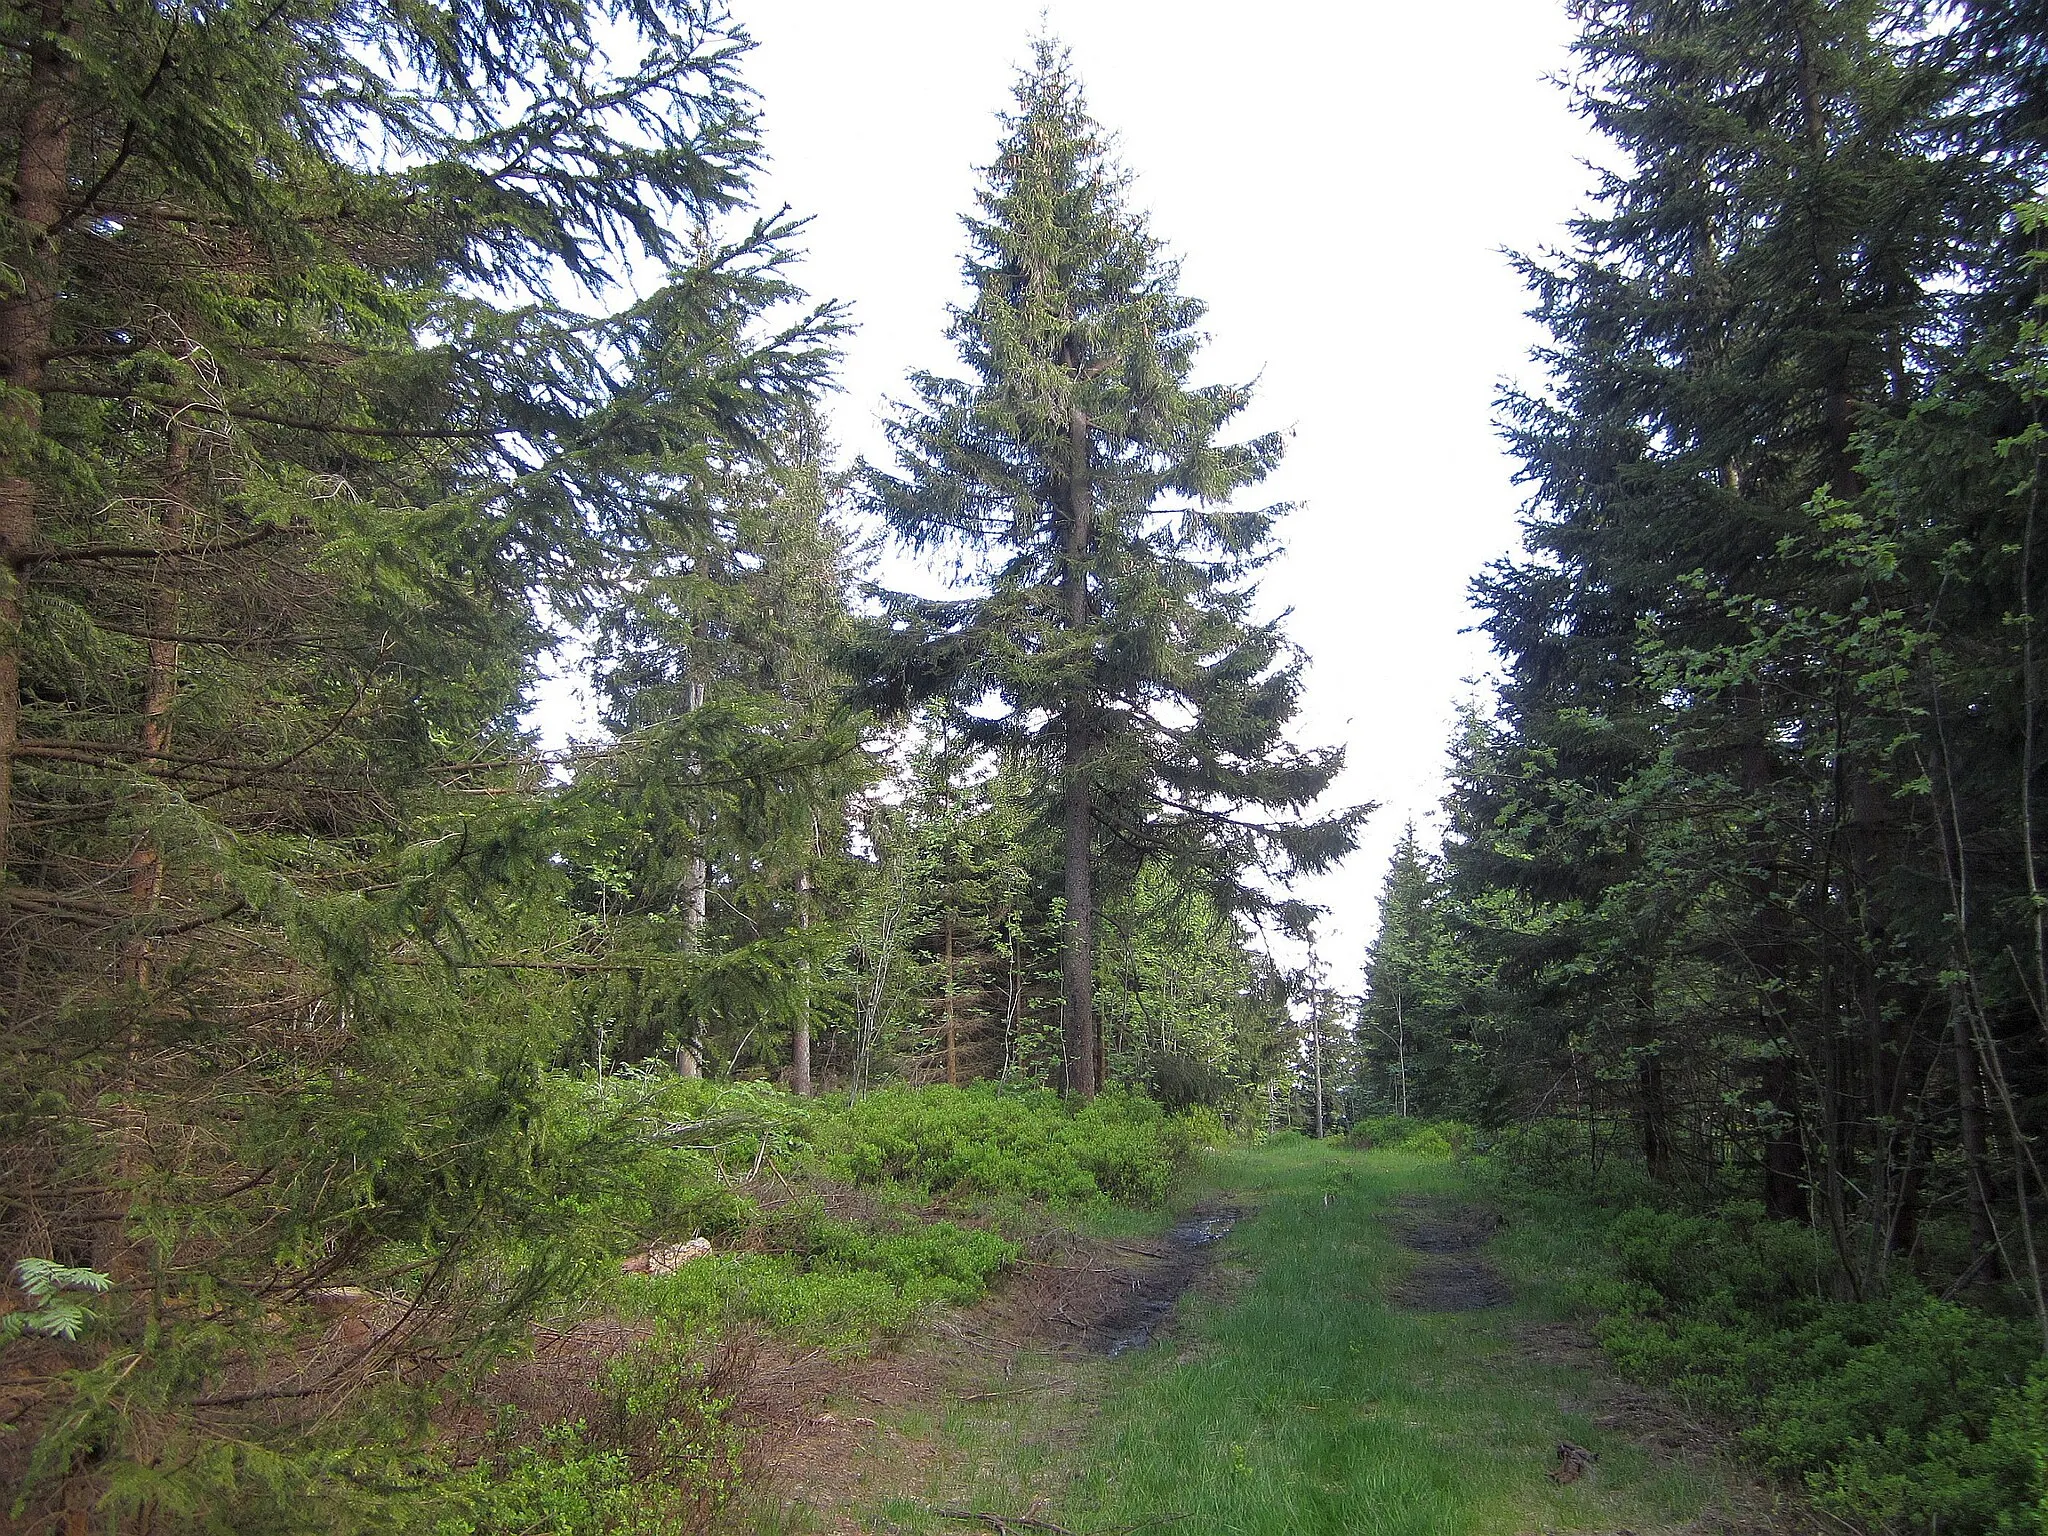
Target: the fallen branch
(1071, 1269)
(1001, 1524)
(983, 1397)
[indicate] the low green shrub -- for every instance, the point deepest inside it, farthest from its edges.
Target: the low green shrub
(1204, 1129)
(659, 1456)
(562, 1485)
(943, 1261)
(826, 1283)
(984, 1139)
(1561, 1155)
(559, 1484)
(1546, 1154)
(1734, 1262)
(1898, 1413)
(1403, 1133)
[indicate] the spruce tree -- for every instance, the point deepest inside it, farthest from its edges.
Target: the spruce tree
(1085, 487)
(1755, 807)
(730, 768)
(321, 409)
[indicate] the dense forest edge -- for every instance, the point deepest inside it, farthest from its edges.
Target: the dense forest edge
(359, 364)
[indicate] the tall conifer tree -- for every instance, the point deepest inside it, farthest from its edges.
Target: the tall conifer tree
(1086, 483)
(1765, 749)
(308, 429)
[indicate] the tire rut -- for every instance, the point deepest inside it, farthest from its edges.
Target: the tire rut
(1446, 1275)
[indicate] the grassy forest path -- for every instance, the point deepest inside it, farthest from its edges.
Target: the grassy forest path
(1371, 1353)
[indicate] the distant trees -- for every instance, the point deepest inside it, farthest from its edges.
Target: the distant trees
(1084, 486)
(720, 808)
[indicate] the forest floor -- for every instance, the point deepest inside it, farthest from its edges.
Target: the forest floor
(1324, 1341)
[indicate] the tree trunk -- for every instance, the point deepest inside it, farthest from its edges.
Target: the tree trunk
(41, 179)
(1401, 1053)
(1656, 1115)
(1077, 953)
(115, 1253)
(1651, 1101)
(1784, 1149)
(1315, 1024)
(800, 1046)
(1976, 1146)
(696, 884)
(159, 693)
(952, 1023)
(1785, 1167)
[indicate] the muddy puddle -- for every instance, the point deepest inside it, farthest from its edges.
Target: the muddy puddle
(1180, 1259)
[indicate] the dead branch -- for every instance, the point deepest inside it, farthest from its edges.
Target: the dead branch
(1001, 1524)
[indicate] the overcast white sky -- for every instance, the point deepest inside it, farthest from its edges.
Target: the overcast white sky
(1340, 180)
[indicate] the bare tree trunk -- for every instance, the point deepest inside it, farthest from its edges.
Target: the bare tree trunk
(800, 1046)
(1077, 953)
(1013, 1004)
(952, 1023)
(1786, 1167)
(1401, 1052)
(1784, 1146)
(1315, 1027)
(159, 693)
(2030, 714)
(696, 883)
(114, 1252)
(1656, 1116)
(2022, 1161)
(41, 179)
(1650, 1096)
(1976, 1145)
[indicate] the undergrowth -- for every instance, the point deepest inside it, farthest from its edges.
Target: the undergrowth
(1897, 1412)
(957, 1142)
(835, 1285)
(823, 1221)
(833, 1225)
(1403, 1133)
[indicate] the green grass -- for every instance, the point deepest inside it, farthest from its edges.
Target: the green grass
(1293, 1400)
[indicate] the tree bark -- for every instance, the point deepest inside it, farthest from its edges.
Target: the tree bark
(1077, 953)
(696, 885)
(1784, 1149)
(27, 321)
(1656, 1115)
(952, 1023)
(800, 1046)
(1651, 1099)
(159, 693)
(1315, 1025)
(1785, 1163)
(1976, 1140)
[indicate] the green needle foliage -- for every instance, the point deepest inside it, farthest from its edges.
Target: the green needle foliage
(1740, 910)
(304, 453)
(1083, 488)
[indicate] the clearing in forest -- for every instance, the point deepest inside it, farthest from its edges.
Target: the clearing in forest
(1367, 1349)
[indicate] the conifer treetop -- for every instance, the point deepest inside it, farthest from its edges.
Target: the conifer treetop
(1079, 349)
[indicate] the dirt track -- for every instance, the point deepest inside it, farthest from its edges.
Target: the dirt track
(1446, 1277)
(1071, 1295)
